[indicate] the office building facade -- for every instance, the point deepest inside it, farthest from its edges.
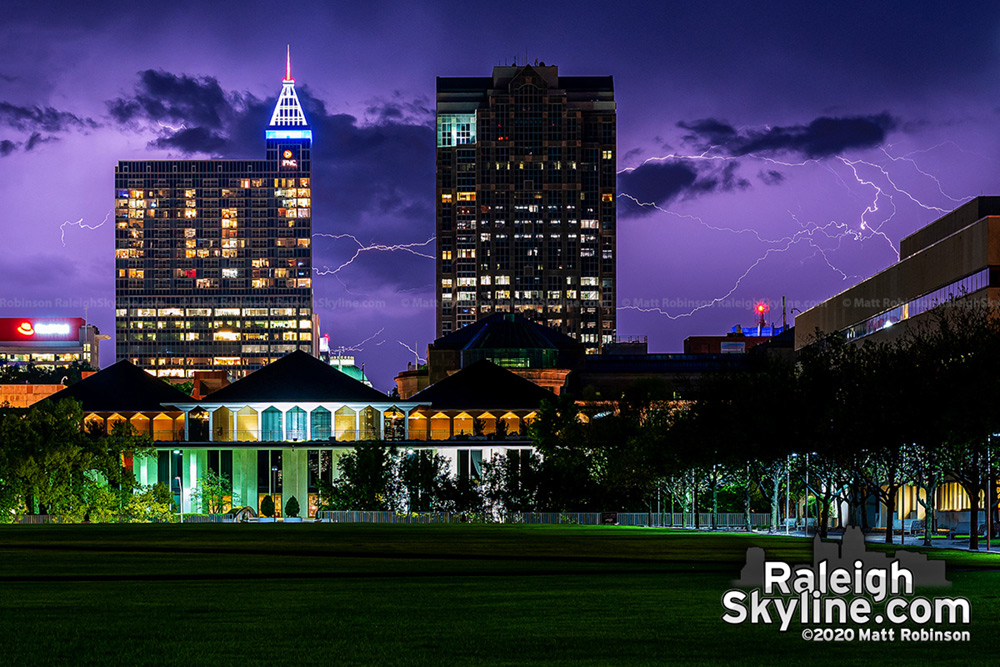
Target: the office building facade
(956, 256)
(526, 189)
(213, 258)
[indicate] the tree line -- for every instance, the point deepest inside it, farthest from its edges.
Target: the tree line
(50, 464)
(847, 423)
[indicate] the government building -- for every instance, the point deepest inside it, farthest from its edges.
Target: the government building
(957, 255)
(213, 258)
(526, 184)
(281, 430)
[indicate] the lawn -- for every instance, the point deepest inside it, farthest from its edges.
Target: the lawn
(414, 594)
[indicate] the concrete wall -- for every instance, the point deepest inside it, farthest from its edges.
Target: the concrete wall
(952, 258)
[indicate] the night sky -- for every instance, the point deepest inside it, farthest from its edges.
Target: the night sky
(780, 148)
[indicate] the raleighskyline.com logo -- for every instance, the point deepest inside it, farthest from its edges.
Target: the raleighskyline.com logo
(850, 593)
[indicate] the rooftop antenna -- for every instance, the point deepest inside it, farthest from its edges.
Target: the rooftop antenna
(288, 63)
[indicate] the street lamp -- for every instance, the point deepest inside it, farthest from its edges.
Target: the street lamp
(788, 488)
(180, 493)
(807, 493)
(270, 485)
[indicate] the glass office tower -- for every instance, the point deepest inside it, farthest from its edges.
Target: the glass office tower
(213, 258)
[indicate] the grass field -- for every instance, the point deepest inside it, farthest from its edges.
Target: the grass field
(415, 594)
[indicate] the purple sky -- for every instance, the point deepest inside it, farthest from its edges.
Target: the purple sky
(801, 142)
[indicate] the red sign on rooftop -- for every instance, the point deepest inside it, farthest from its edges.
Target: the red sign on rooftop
(27, 329)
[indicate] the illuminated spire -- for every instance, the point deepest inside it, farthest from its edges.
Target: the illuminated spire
(288, 111)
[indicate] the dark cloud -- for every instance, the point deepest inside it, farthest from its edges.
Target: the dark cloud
(175, 100)
(771, 177)
(193, 140)
(822, 137)
(723, 180)
(400, 109)
(45, 119)
(657, 182)
(376, 172)
(36, 138)
(7, 147)
(662, 181)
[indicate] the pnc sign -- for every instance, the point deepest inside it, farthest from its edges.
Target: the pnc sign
(23, 329)
(288, 160)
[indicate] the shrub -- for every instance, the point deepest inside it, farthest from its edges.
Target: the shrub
(267, 506)
(292, 507)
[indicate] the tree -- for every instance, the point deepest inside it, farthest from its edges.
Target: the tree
(149, 504)
(565, 482)
(49, 463)
(267, 507)
(32, 374)
(626, 446)
(213, 492)
(425, 481)
(292, 507)
(367, 481)
(510, 482)
(960, 356)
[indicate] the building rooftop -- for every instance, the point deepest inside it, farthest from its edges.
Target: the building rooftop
(122, 387)
(483, 385)
(297, 376)
(948, 224)
(505, 331)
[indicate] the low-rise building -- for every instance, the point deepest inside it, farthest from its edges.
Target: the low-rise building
(281, 430)
(49, 342)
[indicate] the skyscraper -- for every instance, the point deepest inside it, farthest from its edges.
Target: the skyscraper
(526, 185)
(213, 258)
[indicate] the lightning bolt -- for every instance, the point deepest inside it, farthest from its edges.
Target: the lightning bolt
(417, 357)
(79, 223)
(373, 247)
(907, 158)
(873, 207)
(709, 304)
(359, 347)
(171, 127)
(879, 211)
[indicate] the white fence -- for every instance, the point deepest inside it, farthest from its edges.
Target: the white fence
(723, 521)
(356, 516)
(734, 520)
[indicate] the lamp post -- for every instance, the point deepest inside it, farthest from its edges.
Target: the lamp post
(807, 493)
(180, 493)
(788, 489)
(270, 480)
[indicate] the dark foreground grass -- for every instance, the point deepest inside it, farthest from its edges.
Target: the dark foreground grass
(452, 594)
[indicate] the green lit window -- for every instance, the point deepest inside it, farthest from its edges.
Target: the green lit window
(456, 129)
